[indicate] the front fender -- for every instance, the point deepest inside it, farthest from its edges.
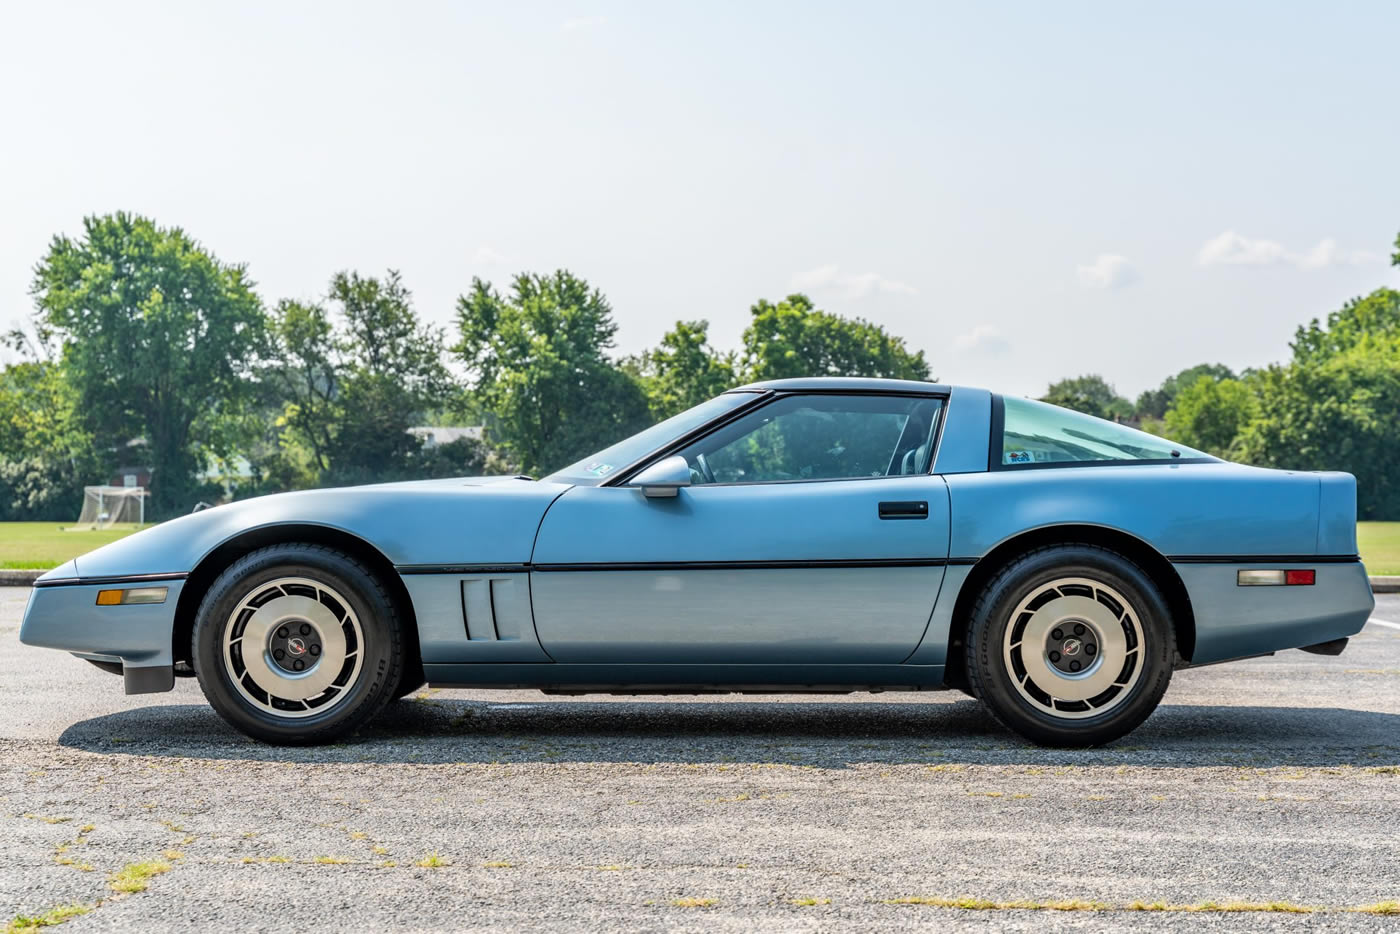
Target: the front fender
(434, 522)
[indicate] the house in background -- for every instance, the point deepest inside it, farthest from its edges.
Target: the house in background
(434, 435)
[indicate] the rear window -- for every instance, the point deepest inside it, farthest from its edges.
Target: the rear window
(1037, 433)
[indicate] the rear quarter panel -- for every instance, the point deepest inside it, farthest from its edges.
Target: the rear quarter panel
(1179, 509)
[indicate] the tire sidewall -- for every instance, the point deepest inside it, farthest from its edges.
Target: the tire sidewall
(379, 668)
(993, 683)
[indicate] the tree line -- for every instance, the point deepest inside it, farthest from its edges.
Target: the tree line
(145, 348)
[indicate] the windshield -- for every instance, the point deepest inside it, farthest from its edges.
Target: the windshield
(595, 468)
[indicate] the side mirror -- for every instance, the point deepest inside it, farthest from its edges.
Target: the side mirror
(664, 478)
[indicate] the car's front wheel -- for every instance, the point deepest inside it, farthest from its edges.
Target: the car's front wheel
(298, 644)
(1071, 646)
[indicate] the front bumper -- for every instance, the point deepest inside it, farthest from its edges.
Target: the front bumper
(65, 615)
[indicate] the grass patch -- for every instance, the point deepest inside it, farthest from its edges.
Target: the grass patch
(692, 902)
(1379, 908)
(24, 924)
(809, 902)
(136, 877)
(434, 861)
(47, 545)
(1379, 544)
(331, 860)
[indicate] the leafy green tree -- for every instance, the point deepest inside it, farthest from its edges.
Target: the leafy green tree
(793, 338)
(306, 380)
(393, 373)
(158, 339)
(1372, 320)
(47, 455)
(539, 365)
(353, 381)
(683, 371)
(1209, 414)
(1153, 403)
(1335, 413)
(1090, 394)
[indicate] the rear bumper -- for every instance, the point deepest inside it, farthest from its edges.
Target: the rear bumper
(66, 616)
(1236, 622)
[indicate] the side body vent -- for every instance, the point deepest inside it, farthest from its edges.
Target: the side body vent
(484, 617)
(490, 609)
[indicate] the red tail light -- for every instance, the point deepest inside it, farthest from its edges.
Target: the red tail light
(1306, 578)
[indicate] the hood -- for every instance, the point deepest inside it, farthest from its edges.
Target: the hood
(463, 520)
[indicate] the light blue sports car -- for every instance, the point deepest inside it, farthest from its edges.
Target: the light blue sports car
(822, 535)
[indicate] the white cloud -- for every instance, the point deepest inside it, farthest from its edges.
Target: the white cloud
(983, 340)
(1233, 249)
(848, 285)
(1107, 271)
(580, 23)
(489, 256)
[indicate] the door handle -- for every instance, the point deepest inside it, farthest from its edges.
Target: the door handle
(904, 509)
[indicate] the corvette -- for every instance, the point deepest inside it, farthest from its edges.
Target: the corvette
(806, 535)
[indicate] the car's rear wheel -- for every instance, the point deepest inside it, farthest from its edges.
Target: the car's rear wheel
(1071, 645)
(298, 644)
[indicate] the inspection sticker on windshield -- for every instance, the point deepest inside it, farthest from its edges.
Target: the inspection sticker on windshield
(599, 469)
(1017, 457)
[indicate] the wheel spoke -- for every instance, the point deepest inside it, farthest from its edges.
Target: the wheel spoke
(292, 648)
(1074, 648)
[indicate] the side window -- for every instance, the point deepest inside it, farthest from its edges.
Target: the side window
(1038, 433)
(820, 437)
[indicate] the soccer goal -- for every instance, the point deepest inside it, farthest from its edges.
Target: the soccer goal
(106, 506)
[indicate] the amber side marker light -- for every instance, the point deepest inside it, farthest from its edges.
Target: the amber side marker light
(131, 596)
(1279, 578)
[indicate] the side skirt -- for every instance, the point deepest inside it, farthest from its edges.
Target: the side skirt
(688, 679)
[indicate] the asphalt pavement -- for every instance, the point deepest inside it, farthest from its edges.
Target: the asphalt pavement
(1272, 785)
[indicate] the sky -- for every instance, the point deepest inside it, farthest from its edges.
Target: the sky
(1024, 191)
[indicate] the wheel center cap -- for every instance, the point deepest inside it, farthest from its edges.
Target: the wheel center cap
(1071, 647)
(298, 646)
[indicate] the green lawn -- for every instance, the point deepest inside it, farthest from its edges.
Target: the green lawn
(47, 545)
(1379, 543)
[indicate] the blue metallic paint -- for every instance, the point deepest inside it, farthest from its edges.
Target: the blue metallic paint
(468, 553)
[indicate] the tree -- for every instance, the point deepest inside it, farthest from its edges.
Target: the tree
(683, 371)
(355, 380)
(1209, 414)
(1090, 394)
(538, 364)
(158, 338)
(48, 455)
(1153, 403)
(1334, 414)
(793, 338)
(1372, 320)
(393, 372)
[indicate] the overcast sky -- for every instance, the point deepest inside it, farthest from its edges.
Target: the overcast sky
(1024, 191)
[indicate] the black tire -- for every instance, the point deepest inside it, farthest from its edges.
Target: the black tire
(1006, 673)
(338, 591)
(409, 682)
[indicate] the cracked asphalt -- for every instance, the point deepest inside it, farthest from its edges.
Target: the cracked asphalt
(1270, 780)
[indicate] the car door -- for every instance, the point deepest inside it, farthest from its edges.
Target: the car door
(812, 532)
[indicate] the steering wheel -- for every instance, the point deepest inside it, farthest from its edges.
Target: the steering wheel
(704, 468)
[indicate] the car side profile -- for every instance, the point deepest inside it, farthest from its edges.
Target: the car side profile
(815, 535)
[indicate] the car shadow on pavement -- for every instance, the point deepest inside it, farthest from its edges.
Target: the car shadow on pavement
(797, 733)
